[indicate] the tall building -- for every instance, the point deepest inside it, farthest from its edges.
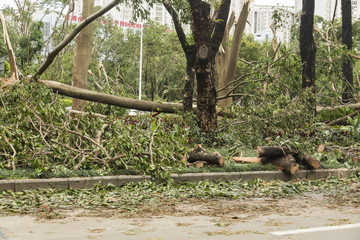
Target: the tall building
(260, 20)
(325, 8)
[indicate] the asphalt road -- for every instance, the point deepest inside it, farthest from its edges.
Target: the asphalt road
(313, 223)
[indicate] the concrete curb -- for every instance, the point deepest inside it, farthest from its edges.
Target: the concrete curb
(88, 182)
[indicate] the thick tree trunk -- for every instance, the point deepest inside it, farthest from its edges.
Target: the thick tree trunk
(83, 56)
(307, 45)
(208, 35)
(347, 41)
(206, 97)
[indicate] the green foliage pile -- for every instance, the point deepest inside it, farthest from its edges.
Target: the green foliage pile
(36, 132)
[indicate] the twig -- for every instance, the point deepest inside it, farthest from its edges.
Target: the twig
(151, 142)
(14, 152)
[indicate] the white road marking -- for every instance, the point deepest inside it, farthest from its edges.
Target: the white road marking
(318, 229)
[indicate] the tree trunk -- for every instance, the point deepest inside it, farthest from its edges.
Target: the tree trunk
(83, 56)
(232, 56)
(208, 35)
(307, 45)
(347, 41)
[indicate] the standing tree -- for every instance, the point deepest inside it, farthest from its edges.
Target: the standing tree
(347, 41)
(307, 44)
(208, 33)
(83, 56)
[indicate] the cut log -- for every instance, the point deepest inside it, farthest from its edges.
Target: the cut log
(287, 164)
(262, 160)
(310, 162)
(200, 154)
(275, 151)
(200, 164)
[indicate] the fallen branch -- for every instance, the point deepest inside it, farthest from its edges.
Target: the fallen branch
(342, 120)
(70, 37)
(355, 106)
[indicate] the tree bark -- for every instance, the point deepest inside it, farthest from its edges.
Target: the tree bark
(310, 162)
(307, 45)
(347, 41)
(99, 97)
(83, 56)
(232, 56)
(12, 61)
(208, 35)
(287, 164)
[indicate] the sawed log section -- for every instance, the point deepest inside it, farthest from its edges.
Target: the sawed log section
(286, 163)
(274, 151)
(200, 154)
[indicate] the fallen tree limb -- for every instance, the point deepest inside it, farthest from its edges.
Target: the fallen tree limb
(342, 120)
(350, 153)
(262, 160)
(355, 106)
(142, 105)
(70, 37)
(89, 95)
